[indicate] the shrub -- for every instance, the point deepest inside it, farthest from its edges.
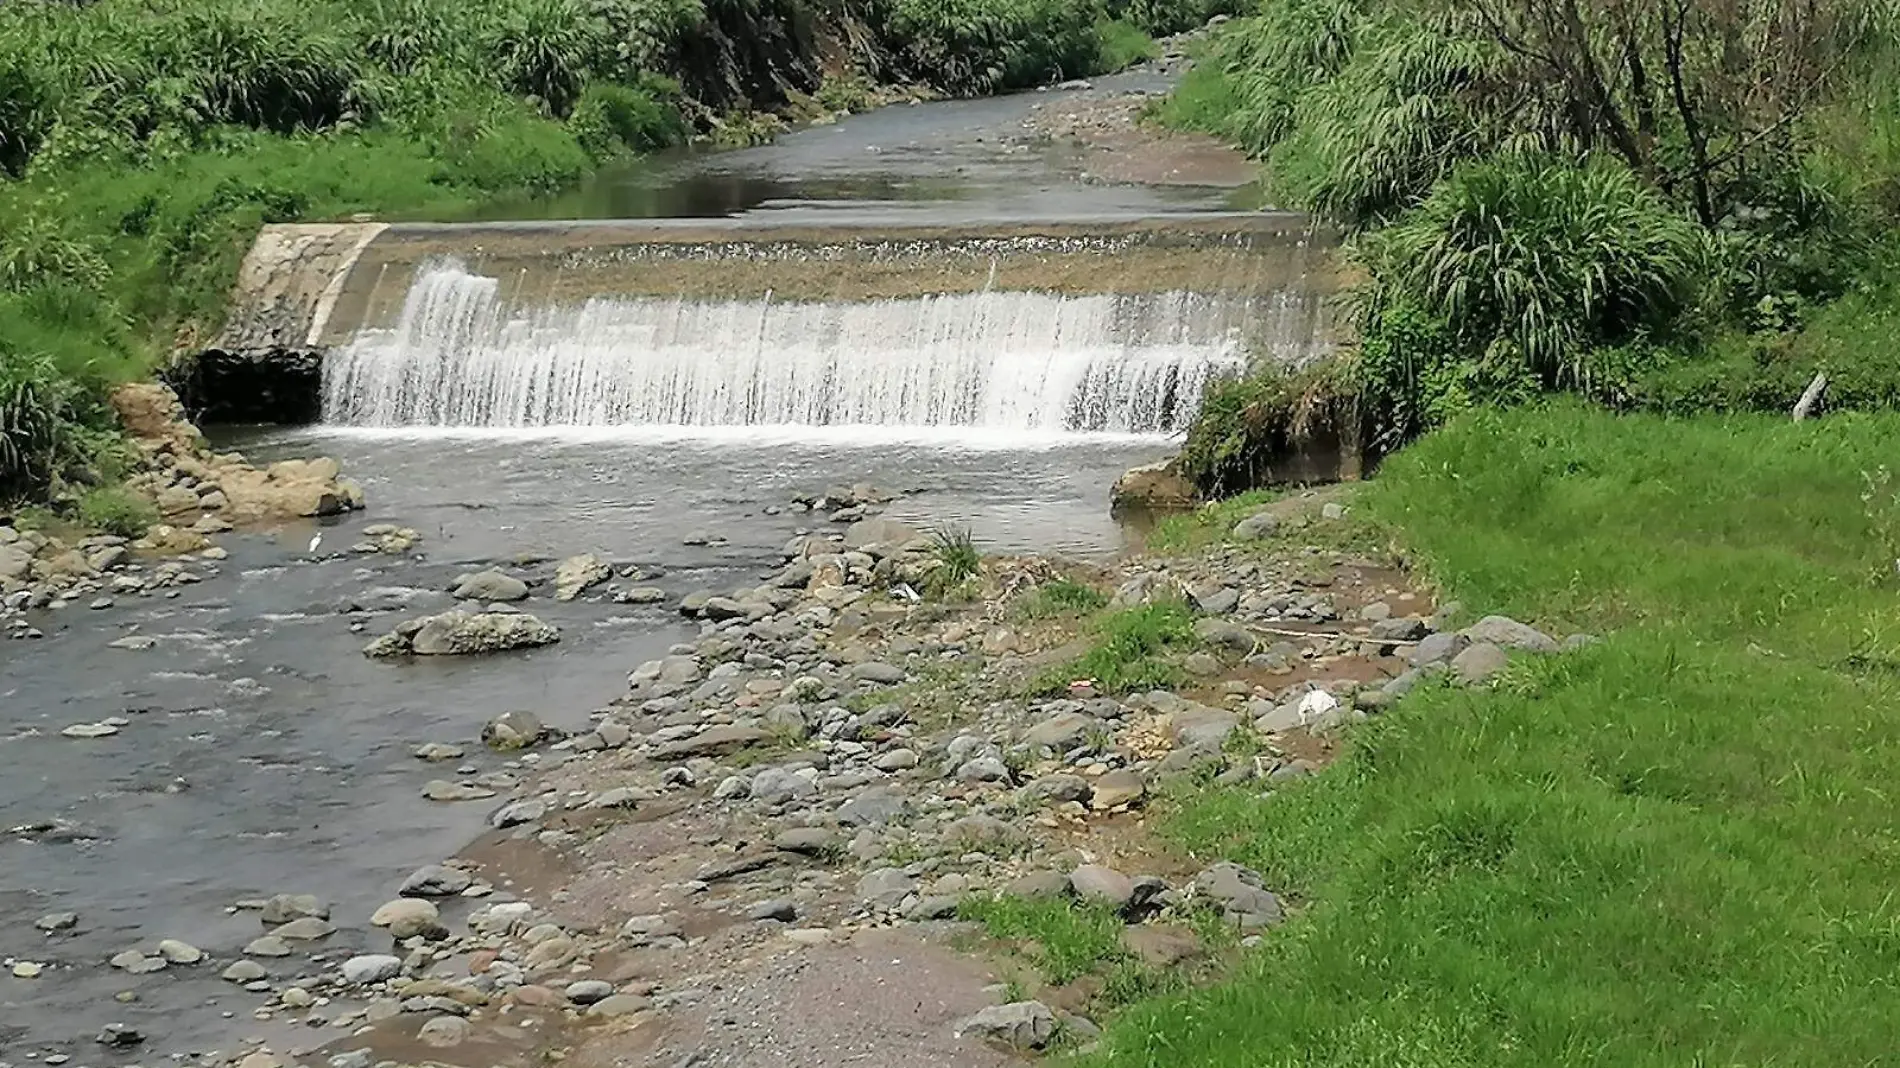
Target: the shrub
(115, 510)
(547, 49)
(967, 47)
(37, 404)
(957, 557)
(613, 119)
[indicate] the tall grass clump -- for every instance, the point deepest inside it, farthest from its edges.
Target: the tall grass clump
(1131, 651)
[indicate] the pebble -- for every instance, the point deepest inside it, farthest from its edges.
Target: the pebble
(26, 969)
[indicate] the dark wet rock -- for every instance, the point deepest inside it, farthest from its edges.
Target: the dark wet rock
(435, 880)
(513, 730)
(1241, 895)
(1509, 634)
(1020, 1025)
(120, 1036)
(1479, 664)
(489, 585)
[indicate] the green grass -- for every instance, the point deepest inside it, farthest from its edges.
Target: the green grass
(1070, 940)
(1122, 44)
(1130, 652)
(116, 511)
(1677, 847)
(1059, 598)
(1207, 525)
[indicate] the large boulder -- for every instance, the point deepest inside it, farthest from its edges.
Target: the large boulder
(886, 534)
(462, 633)
(1159, 486)
(490, 585)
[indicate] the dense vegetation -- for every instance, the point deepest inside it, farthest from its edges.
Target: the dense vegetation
(1677, 204)
(142, 142)
(1672, 848)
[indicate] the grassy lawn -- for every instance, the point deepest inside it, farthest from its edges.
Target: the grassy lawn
(1679, 847)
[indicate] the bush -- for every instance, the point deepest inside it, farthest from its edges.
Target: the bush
(613, 119)
(114, 510)
(969, 47)
(37, 405)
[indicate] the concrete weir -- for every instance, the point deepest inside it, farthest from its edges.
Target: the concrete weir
(1054, 325)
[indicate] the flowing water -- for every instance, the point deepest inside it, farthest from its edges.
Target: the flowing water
(263, 754)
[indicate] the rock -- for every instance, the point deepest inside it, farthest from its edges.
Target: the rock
(296, 997)
(1509, 634)
(713, 741)
(777, 786)
(1158, 486)
(516, 813)
(90, 730)
(552, 953)
(57, 921)
(1241, 895)
(1200, 727)
(489, 585)
(436, 880)
(874, 808)
(1398, 630)
(577, 573)
(619, 1005)
(409, 917)
(267, 946)
(882, 674)
(1437, 649)
(1057, 789)
(1201, 665)
(443, 790)
(444, 1032)
(1038, 886)
(1098, 885)
(177, 952)
(642, 595)
(120, 1036)
(886, 888)
(371, 968)
(243, 971)
(983, 769)
(1256, 527)
(807, 841)
(784, 910)
(1222, 634)
(459, 633)
(137, 963)
(1123, 786)
(26, 969)
(436, 752)
(896, 760)
(304, 929)
(1020, 1025)
(1161, 945)
(888, 534)
(513, 730)
(1479, 664)
(283, 908)
(1062, 731)
(589, 991)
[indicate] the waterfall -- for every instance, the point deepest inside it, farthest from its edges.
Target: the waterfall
(459, 355)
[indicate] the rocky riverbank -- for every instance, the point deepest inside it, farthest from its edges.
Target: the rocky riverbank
(197, 493)
(834, 828)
